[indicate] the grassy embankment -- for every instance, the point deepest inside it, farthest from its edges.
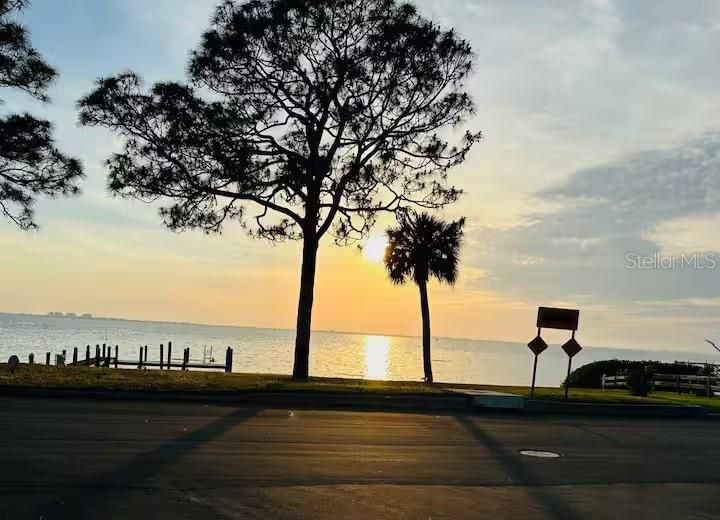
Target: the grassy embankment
(178, 381)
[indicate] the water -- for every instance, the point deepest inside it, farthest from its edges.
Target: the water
(332, 354)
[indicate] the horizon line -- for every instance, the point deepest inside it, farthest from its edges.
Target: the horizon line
(196, 324)
(327, 331)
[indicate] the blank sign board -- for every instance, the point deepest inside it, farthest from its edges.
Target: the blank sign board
(552, 318)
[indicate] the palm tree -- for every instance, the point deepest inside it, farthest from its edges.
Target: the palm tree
(420, 247)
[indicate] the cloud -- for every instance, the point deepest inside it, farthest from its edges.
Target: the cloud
(632, 206)
(176, 26)
(691, 233)
(567, 93)
(560, 86)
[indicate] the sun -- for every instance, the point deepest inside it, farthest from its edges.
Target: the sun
(374, 248)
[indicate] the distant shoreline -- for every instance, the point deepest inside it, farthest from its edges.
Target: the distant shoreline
(343, 332)
(252, 327)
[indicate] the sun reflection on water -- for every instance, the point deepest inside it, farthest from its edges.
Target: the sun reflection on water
(377, 350)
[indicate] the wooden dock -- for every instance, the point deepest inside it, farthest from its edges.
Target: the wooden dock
(108, 356)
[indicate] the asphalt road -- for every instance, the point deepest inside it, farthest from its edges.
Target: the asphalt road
(75, 460)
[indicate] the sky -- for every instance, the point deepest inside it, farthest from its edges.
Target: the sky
(602, 144)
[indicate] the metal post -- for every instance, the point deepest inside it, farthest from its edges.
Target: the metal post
(145, 355)
(87, 355)
(75, 355)
(116, 356)
(169, 358)
(162, 354)
(186, 358)
(709, 389)
(47, 359)
(532, 388)
(141, 358)
(104, 350)
(97, 355)
(567, 379)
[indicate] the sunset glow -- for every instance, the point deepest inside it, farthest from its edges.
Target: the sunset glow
(531, 238)
(374, 248)
(377, 350)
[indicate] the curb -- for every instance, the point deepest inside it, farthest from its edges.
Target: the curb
(375, 402)
(391, 402)
(621, 410)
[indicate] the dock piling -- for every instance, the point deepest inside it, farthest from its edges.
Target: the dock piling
(228, 360)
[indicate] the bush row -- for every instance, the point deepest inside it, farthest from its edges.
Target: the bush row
(590, 375)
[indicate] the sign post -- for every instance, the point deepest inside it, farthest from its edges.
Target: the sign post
(552, 318)
(537, 346)
(571, 348)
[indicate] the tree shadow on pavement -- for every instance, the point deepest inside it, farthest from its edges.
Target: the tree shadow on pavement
(111, 488)
(552, 505)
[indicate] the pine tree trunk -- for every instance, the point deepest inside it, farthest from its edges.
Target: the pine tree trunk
(301, 368)
(425, 310)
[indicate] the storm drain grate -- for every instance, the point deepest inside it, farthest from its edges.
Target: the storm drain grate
(540, 454)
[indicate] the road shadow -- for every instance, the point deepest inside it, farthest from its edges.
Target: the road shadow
(552, 505)
(112, 487)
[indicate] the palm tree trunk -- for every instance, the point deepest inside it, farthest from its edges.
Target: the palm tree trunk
(425, 311)
(301, 366)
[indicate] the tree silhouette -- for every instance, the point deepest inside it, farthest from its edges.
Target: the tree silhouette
(421, 247)
(300, 118)
(30, 164)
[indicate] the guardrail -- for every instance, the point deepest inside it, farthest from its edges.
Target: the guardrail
(708, 384)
